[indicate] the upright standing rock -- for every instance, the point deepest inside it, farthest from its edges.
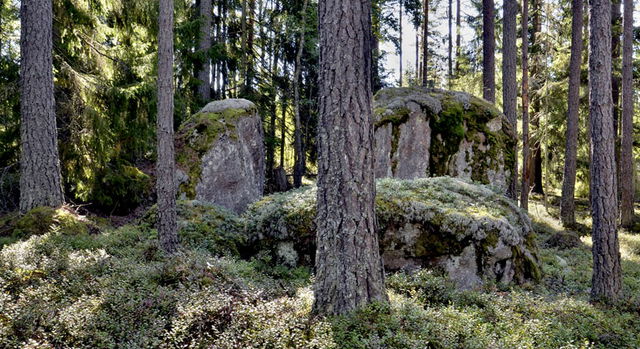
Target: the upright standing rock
(40, 180)
(349, 270)
(221, 155)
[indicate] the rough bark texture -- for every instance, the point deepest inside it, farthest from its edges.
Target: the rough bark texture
(616, 31)
(204, 71)
(488, 51)
(40, 180)
(537, 76)
(567, 205)
(425, 43)
(165, 167)
(626, 155)
(509, 82)
(606, 250)
(349, 270)
(524, 190)
(299, 166)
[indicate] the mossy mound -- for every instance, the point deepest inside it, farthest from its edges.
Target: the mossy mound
(423, 132)
(206, 226)
(121, 188)
(468, 230)
(42, 220)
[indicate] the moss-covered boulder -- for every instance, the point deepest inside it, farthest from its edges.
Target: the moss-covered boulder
(469, 231)
(220, 155)
(423, 132)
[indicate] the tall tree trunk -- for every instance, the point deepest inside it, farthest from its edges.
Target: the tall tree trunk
(425, 43)
(349, 271)
(488, 51)
(607, 275)
(626, 156)
(271, 130)
(204, 71)
(536, 105)
(418, 69)
(524, 191)
(567, 205)
(450, 60)
(283, 125)
(458, 37)
(510, 84)
(400, 41)
(299, 165)
(40, 179)
(165, 167)
(616, 32)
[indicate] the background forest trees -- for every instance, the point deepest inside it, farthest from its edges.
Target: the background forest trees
(265, 50)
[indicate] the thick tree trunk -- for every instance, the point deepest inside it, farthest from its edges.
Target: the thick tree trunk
(616, 32)
(606, 282)
(524, 190)
(204, 71)
(567, 205)
(509, 83)
(299, 165)
(536, 103)
(165, 167)
(40, 179)
(425, 43)
(488, 51)
(349, 271)
(626, 156)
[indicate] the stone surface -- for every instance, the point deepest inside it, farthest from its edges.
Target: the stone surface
(469, 231)
(220, 155)
(422, 132)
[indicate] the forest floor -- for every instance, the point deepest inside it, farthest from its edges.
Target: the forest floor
(103, 287)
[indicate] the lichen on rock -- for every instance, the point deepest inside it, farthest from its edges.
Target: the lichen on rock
(219, 152)
(464, 136)
(468, 230)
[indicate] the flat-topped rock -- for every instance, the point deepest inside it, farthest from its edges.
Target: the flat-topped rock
(421, 132)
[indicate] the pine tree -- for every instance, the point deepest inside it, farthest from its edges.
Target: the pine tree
(607, 273)
(626, 154)
(524, 190)
(349, 270)
(567, 206)
(488, 51)
(204, 71)
(40, 179)
(165, 167)
(509, 82)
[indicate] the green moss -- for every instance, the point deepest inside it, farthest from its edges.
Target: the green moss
(121, 188)
(447, 131)
(196, 136)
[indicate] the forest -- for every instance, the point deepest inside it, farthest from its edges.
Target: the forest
(319, 174)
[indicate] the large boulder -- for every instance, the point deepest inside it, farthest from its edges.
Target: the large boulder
(220, 155)
(423, 132)
(469, 231)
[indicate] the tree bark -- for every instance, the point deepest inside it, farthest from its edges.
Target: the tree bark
(425, 43)
(626, 156)
(567, 205)
(458, 37)
(510, 84)
(299, 166)
(40, 179)
(450, 60)
(488, 51)
(606, 250)
(349, 271)
(616, 32)
(400, 41)
(524, 191)
(536, 103)
(204, 71)
(165, 167)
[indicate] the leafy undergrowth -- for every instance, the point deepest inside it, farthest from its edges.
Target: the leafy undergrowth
(114, 288)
